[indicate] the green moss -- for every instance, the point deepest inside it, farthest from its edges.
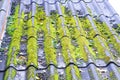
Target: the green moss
(79, 36)
(12, 22)
(70, 20)
(44, 27)
(32, 50)
(50, 51)
(77, 72)
(50, 34)
(89, 10)
(111, 74)
(32, 46)
(52, 29)
(61, 31)
(100, 51)
(62, 8)
(10, 29)
(8, 74)
(31, 73)
(68, 73)
(32, 32)
(15, 43)
(40, 14)
(17, 11)
(107, 35)
(55, 76)
(84, 32)
(67, 50)
(14, 48)
(41, 19)
(80, 49)
(95, 44)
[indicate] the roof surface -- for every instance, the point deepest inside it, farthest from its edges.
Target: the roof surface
(59, 40)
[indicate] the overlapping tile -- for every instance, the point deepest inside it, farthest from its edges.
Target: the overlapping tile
(51, 40)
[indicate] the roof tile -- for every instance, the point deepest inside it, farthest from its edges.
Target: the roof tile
(60, 40)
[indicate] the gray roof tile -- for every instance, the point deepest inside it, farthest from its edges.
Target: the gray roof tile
(79, 43)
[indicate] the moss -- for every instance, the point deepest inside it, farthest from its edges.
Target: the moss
(77, 72)
(84, 32)
(52, 29)
(88, 28)
(98, 49)
(55, 76)
(82, 51)
(118, 30)
(9, 75)
(68, 73)
(32, 49)
(32, 32)
(67, 50)
(111, 74)
(50, 51)
(107, 35)
(40, 19)
(44, 26)
(15, 43)
(14, 48)
(82, 42)
(31, 73)
(12, 22)
(32, 46)
(10, 29)
(70, 20)
(40, 14)
(89, 10)
(17, 11)
(79, 36)
(80, 24)
(6, 75)
(62, 8)
(62, 31)
(50, 34)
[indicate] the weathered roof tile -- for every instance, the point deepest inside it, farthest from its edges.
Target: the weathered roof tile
(59, 40)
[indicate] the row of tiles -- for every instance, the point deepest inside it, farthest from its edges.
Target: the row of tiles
(111, 72)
